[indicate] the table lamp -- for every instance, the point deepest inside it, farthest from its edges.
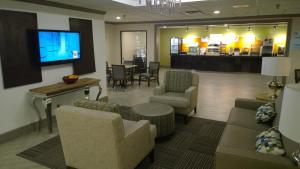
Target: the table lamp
(276, 67)
(290, 115)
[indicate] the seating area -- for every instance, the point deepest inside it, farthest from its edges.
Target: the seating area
(149, 84)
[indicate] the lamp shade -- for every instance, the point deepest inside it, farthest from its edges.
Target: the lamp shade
(276, 66)
(289, 123)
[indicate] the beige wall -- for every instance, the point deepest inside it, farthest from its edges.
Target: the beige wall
(129, 43)
(16, 109)
(114, 56)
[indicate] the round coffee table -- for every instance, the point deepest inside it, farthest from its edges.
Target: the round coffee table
(161, 115)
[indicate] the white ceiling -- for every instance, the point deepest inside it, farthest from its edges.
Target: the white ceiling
(133, 14)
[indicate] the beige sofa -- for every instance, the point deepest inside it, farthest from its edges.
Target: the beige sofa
(180, 90)
(98, 139)
(236, 149)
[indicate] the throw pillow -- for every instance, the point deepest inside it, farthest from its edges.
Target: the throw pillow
(269, 142)
(265, 113)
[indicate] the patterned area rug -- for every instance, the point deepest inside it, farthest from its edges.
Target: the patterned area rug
(192, 146)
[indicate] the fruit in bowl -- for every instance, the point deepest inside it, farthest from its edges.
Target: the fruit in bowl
(69, 79)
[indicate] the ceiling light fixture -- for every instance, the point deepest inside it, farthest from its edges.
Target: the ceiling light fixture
(227, 28)
(249, 28)
(216, 12)
(162, 5)
(275, 27)
(164, 27)
(241, 6)
(118, 17)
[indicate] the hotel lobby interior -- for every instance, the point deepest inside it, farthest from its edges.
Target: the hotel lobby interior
(150, 84)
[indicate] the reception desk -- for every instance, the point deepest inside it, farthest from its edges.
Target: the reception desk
(251, 64)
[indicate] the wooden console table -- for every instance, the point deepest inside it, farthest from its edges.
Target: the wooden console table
(46, 93)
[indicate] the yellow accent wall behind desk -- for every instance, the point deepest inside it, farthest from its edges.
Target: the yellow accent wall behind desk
(260, 32)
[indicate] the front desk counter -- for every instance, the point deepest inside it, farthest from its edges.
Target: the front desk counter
(251, 64)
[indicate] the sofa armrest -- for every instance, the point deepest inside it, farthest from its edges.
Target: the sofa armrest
(249, 103)
(159, 90)
(137, 144)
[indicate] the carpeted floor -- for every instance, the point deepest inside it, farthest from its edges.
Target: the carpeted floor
(191, 147)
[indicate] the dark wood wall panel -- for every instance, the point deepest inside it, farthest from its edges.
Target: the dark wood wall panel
(87, 62)
(18, 58)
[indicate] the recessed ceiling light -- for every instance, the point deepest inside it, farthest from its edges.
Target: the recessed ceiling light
(164, 27)
(216, 12)
(241, 6)
(118, 17)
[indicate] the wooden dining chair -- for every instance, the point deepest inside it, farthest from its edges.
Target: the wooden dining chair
(151, 74)
(119, 75)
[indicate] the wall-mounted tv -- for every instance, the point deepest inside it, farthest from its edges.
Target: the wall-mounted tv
(56, 47)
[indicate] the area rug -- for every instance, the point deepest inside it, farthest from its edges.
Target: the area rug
(192, 146)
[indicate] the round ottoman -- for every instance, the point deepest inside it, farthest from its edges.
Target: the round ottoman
(161, 115)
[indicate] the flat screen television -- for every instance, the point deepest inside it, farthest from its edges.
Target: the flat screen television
(57, 47)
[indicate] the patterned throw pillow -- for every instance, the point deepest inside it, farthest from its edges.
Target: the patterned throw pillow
(265, 113)
(269, 142)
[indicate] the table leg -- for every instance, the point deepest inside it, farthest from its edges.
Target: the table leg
(87, 93)
(33, 101)
(48, 109)
(99, 92)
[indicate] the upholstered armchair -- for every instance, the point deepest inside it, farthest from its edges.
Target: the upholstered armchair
(180, 90)
(98, 139)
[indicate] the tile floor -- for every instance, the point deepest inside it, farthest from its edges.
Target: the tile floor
(217, 92)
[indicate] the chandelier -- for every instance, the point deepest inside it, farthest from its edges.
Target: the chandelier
(162, 5)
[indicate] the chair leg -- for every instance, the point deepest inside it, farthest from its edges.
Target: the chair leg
(139, 80)
(195, 110)
(114, 82)
(152, 156)
(148, 81)
(186, 119)
(157, 80)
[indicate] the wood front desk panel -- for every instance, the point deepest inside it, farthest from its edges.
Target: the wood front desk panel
(251, 64)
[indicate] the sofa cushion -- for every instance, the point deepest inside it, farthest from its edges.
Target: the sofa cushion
(172, 99)
(178, 81)
(245, 118)
(265, 113)
(239, 137)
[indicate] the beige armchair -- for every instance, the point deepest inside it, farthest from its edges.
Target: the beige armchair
(98, 139)
(180, 90)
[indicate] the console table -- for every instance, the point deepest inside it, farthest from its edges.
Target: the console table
(46, 93)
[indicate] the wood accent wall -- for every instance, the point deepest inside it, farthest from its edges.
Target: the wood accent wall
(86, 64)
(19, 57)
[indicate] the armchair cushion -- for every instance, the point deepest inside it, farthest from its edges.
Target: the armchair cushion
(178, 81)
(159, 90)
(97, 105)
(173, 99)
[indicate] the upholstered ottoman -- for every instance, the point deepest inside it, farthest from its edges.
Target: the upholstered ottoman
(158, 114)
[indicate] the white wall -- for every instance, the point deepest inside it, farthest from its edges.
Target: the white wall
(114, 45)
(16, 110)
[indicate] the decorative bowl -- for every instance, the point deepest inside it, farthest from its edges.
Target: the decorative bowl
(70, 80)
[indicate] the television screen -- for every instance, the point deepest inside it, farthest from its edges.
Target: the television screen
(58, 46)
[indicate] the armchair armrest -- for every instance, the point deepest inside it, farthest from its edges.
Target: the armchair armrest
(159, 90)
(191, 95)
(249, 103)
(137, 144)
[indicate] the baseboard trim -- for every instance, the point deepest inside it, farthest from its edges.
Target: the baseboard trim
(21, 131)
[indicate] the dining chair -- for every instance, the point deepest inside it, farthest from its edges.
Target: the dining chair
(152, 74)
(128, 62)
(119, 75)
(108, 74)
(297, 75)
